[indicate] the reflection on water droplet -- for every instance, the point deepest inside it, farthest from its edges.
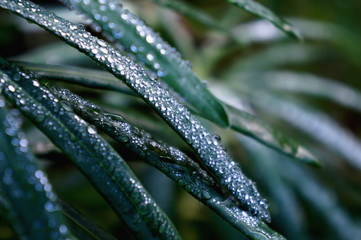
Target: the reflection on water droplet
(216, 139)
(91, 130)
(11, 88)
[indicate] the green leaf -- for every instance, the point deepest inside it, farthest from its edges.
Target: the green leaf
(155, 53)
(90, 153)
(26, 194)
(261, 11)
(295, 82)
(208, 148)
(82, 76)
(251, 126)
(198, 15)
(172, 162)
(240, 121)
(323, 201)
(317, 125)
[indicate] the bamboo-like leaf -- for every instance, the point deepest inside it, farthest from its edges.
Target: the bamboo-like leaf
(27, 195)
(249, 125)
(316, 124)
(240, 121)
(82, 227)
(208, 148)
(323, 201)
(198, 15)
(159, 56)
(304, 83)
(172, 162)
(261, 11)
(81, 76)
(90, 153)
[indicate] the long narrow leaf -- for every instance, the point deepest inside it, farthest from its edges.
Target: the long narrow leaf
(240, 121)
(316, 124)
(198, 15)
(90, 153)
(172, 162)
(82, 76)
(249, 125)
(136, 37)
(209, 149)
(263, 12)
(323, 200)
(304, 83)
(30, 202)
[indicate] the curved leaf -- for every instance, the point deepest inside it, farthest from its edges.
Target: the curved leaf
(159, 56)
(316, 124)
(81, 76)
(172, 162)
(207, 147)
(90, 153)
(323, 201)
(259, 10)
(240, 121)
(249, 125)
(305, 83)
(30, 203)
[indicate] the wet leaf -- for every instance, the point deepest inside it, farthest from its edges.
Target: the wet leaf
(81, 76)
(210, 151)
(26, 194)
(90, 153)
(175, 164)
(154, 52)
(261, 11)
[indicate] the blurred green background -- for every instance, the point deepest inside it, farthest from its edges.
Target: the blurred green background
(306, 203)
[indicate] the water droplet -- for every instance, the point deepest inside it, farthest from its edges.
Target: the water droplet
(216, 139)
(91, 130)
(11, 88)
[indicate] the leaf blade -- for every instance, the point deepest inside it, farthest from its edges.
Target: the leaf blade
(91, 154)
(259, 10)
(24, 186)
(155, 53)
(210, 151)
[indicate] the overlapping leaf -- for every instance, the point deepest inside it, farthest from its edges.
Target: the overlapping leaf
(209, 149)
(90, 153)
(172, 162)
(240, 121)
(160, 57)
(316, 124)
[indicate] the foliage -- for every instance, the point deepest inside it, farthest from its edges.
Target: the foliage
(128, 110)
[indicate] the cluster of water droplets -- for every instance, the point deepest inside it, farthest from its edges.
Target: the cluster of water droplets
(190, 175)
(120, 24)
(196, 181)
(91, 153)
(211, 152)
(23, 183)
